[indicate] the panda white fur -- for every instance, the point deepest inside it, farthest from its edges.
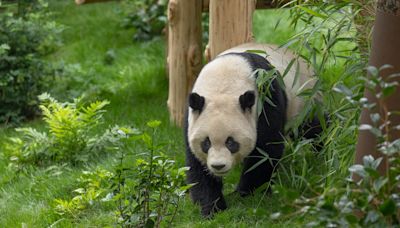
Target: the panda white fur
(223, 129)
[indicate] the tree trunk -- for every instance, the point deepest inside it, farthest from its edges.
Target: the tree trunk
(231, 24)
(385, 50)
(184, 53)
(80, 2)
(260, 4)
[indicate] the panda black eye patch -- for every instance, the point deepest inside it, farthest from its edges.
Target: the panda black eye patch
(232, 145)
(205, 145)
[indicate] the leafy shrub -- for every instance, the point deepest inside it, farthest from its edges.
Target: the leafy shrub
(69, 138)
(147, 193)
(93, 187)
(332, 34)
(23, 7)
(145, 189)
(24, 41)
(374, 200)
(147, 17)
(328, 39)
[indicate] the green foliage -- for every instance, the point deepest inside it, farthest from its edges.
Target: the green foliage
(374, 200)
(109, 58)
(316, 186)
(334, 31)
(74, 81)
(145, 192)
(69, 137)
(24, 41)
(149, 192)
(326, 37)
(147, 17)
(24, 7)
(264, 82)
(93, 187)
(137, 74)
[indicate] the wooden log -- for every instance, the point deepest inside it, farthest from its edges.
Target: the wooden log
(80, 2)
(184, 53)
(231, 24)
(261, 4)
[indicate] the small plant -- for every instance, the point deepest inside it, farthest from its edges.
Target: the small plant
(109, 57)
(148, 17)
(374, 200)
(147, 193)
(93, 187)
(145, 189)
(69, 137)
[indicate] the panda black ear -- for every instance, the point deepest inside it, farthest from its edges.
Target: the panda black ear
(247, 100)
(196, 102)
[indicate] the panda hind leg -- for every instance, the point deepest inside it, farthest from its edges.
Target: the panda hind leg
(312, 129)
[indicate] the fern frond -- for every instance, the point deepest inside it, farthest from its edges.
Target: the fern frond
(93, 112)
(69, 138)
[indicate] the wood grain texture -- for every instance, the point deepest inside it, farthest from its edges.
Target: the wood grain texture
(261, 4)
(231, 24)
(184, 53)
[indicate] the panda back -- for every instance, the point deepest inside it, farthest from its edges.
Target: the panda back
(280, 58)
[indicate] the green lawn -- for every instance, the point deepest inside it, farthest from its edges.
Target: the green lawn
(136, 86)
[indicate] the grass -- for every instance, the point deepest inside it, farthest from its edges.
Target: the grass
(136, 86)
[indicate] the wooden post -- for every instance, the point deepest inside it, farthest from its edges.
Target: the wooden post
(261, 4)
(80, 2)
(231, 24)
(184, 53)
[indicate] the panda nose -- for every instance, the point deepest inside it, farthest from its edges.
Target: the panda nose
(218, 167)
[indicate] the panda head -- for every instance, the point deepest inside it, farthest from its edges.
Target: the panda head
(222, 116)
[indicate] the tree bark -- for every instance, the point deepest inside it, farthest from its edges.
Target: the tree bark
(80, 2)
(260, 4)
(385, 50)
(231, 24)
(184, 53)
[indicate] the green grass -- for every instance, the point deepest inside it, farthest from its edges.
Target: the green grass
(136, 86)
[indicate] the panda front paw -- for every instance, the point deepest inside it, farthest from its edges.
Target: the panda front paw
(243, 192)
(207, 211)
(247, 192)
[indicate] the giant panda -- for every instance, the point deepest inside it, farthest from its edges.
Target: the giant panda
(223, 128)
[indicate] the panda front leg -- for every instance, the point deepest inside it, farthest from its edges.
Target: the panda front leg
(255, 175)
(207, 190)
